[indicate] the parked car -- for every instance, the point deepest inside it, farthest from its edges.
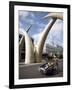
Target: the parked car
(49, 68)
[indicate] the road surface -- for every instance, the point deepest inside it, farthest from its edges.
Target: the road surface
(32, 71)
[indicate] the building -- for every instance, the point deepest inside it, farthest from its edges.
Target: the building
(52, 49)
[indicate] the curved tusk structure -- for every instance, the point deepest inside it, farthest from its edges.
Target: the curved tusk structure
(42, 39)
(55, 15)
(29, 52)
(44, 34)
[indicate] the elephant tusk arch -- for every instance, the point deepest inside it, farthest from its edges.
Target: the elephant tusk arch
(43, 36)
(54, 15)
(29, 49)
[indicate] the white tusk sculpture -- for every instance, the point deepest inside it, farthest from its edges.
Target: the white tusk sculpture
(29, 49)
(43, 36)
(22, 38)
(34, 54)
(58, 15)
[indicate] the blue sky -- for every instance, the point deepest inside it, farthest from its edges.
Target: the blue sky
(27, 18)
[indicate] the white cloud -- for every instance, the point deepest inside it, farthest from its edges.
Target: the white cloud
(21, 31)
(23, 13)
(32, 15)
(57, 26)
(20, 24)
(56, 34)
(40, 24)
(31, 21)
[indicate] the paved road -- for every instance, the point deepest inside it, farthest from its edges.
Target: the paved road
(31, 71)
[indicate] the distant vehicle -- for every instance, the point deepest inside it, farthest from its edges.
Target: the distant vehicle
(49, 68)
